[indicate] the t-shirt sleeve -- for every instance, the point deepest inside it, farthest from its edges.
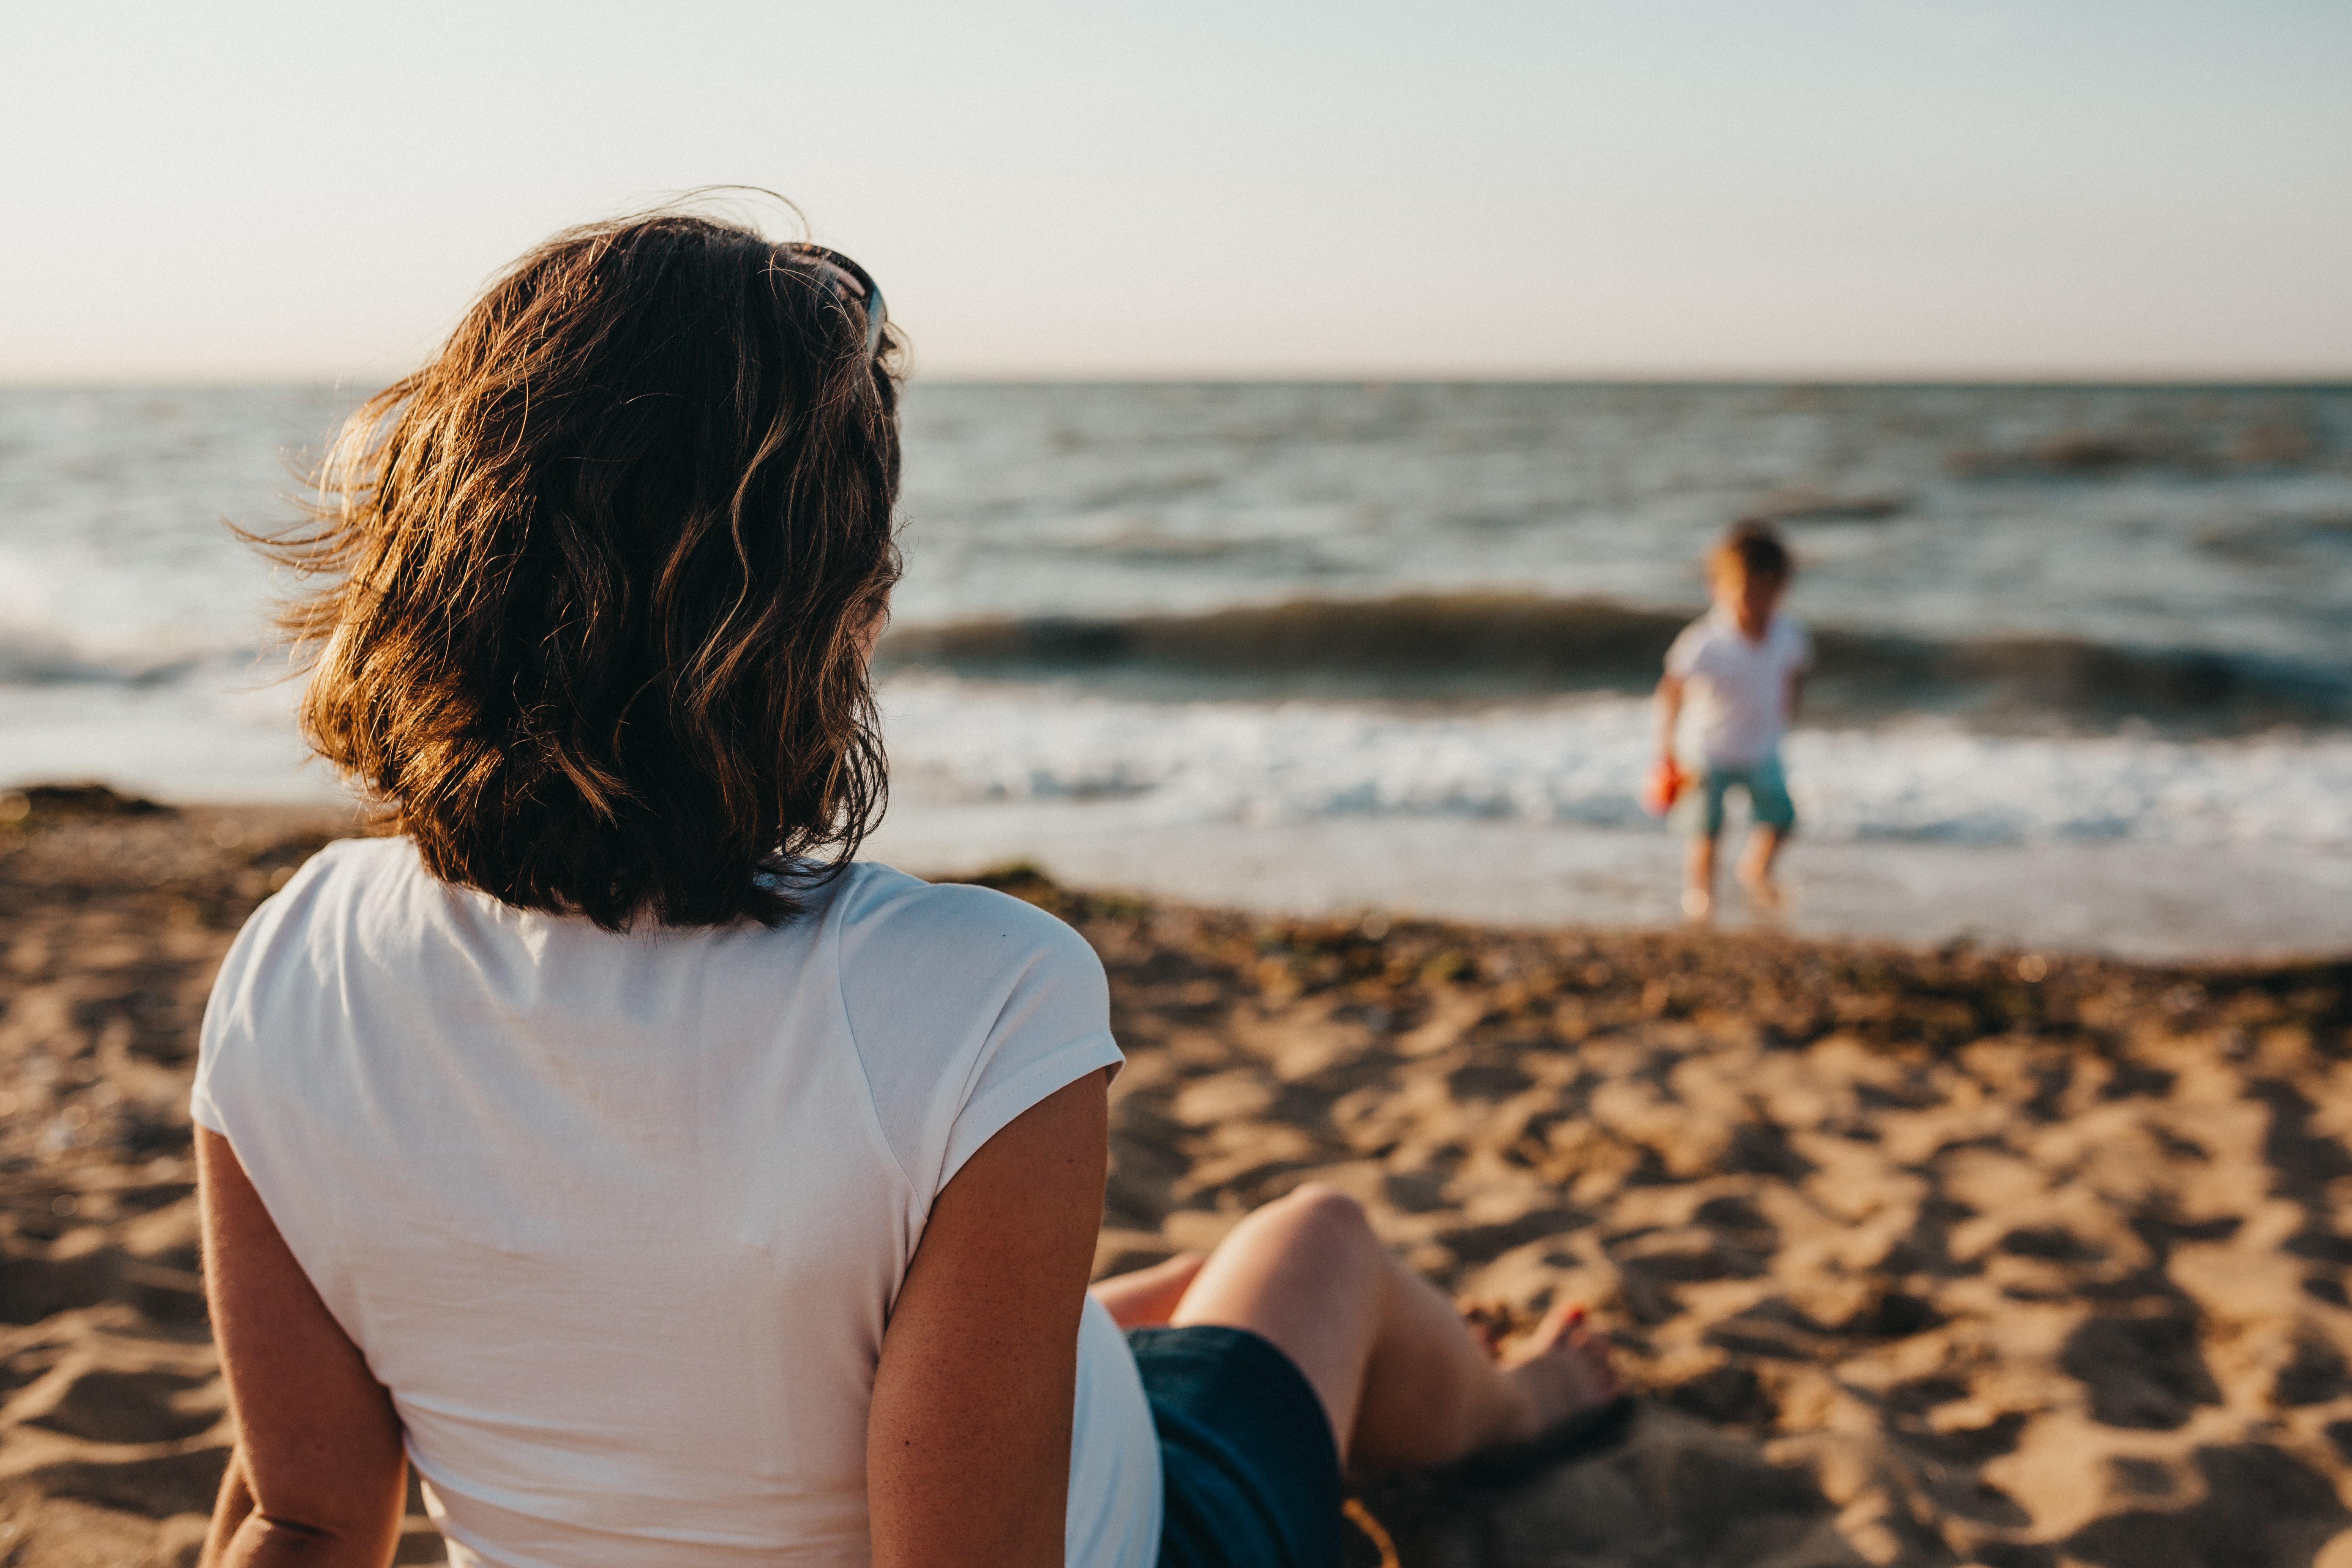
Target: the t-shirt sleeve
(228, 1021)
(1053, 1030)
(1683, 656)
(1801, 647)
(968, 1007)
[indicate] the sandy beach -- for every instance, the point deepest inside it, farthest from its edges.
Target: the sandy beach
(1919, 1257)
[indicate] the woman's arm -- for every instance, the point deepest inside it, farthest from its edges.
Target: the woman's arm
(230, 1510)
(317, 1476)
(968, 1444)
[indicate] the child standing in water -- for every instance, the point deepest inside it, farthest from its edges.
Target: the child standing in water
(1741, 667)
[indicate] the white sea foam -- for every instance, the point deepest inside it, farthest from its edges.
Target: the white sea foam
(1580, 761)
(220, 731)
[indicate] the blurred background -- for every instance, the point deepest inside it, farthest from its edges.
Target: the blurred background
(1319, 413)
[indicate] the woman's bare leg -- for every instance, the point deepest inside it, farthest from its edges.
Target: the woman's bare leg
(1144, 1297)
(1402, 1379)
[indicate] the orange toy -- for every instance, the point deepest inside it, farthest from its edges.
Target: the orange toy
(1664, 783)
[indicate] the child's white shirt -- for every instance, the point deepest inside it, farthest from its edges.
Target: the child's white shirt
(1736, 691)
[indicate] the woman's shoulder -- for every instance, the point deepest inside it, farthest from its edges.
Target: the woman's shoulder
(965, 1007)
(875, 916)
(339, 873)
(882, 911)
(344, 854)
(347, 865)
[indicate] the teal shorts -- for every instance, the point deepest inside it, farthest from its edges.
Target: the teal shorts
(1251, 1470)
(1700, 813)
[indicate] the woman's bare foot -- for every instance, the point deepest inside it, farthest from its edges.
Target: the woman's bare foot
(1562, 1370)
(1147, 1297)
(1489, 1323)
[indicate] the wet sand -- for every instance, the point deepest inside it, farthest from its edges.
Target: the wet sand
(1915, 1257)
(2158, 903)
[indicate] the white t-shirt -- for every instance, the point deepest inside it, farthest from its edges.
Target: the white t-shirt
(619, 1219)
(1737, 693)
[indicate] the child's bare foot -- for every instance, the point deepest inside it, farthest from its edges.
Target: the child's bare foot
(1762, 889)
(1698, 906)
(1563, 1370)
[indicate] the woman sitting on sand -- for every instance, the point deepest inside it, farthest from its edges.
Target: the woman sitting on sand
(668, 1193)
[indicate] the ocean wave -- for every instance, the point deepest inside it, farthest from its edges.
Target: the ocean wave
(1578, 763)
(190, 739)
(35, 661)
(2277, 443)
(1489, 644)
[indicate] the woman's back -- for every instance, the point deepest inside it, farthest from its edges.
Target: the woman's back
(618, 1218)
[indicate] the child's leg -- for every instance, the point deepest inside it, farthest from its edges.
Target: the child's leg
(1698, 876)
(1776, 818)
(1698, 815)
(1402, 1379)
(1756, 865)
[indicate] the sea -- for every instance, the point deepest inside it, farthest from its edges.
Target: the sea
(1376, 650)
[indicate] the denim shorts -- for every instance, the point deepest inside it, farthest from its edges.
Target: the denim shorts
(1699, 814)
(1253, 1473)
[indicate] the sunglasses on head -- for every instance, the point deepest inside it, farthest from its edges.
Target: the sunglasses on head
(846, 277)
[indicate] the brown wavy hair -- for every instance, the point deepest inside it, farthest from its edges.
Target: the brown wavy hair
(1753, 547)
(601, 578)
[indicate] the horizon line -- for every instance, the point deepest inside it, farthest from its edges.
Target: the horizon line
(2087, 379)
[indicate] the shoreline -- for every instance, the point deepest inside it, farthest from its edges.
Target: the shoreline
(2144, 904)
(1913, 1255)
(2164, 904)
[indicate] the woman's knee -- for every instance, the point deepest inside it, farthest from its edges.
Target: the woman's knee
(1320, 1219)
(1314, 1233)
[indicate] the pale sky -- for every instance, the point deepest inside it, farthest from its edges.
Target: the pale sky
(1658, 188)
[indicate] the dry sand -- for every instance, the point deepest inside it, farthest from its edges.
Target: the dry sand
(1915, 1258)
